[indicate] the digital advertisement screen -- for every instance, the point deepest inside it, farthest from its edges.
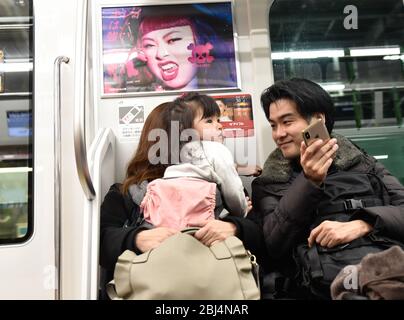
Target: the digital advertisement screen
(168, 48)
(19, 123)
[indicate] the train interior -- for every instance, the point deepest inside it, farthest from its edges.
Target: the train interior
(68, 127)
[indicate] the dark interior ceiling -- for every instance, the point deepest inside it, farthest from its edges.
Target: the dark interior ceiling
(311, 24)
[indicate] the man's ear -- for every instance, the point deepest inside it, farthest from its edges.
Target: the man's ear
(319, 115)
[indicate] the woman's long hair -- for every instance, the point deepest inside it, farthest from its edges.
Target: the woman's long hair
(182, 112)
(139, 168)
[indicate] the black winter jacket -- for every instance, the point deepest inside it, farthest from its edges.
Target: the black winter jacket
(285, 202)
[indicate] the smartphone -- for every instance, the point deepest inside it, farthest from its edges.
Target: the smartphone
(316, 130)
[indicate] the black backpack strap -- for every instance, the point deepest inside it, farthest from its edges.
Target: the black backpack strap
(315, 264)
(275, 286)
(348, 206)
(384, 192)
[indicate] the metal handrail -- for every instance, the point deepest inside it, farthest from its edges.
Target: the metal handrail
(102, 168)
(57, 170)
(79, 107)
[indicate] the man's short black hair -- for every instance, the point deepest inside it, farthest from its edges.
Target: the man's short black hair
(309, 97)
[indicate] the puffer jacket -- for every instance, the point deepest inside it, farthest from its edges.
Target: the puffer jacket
(285, 202)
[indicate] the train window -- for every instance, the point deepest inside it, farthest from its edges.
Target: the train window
(393, 103)
(352, 48)
(16, 110)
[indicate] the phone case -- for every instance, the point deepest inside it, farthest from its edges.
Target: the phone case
(316, 130)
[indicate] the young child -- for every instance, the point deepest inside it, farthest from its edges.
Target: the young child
(203, 158)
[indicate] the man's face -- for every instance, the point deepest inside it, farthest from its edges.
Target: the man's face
(287, 125)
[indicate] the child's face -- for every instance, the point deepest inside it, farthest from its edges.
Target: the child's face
(209, 129)
(167, 55)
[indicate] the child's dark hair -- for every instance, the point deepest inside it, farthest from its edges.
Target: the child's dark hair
(202, 102)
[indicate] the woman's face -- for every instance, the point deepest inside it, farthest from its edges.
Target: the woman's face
(222, 106)
(167, 56)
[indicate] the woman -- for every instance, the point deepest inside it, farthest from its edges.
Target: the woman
(224, 111)
(119, 211)
(180, 52)
(167, 54)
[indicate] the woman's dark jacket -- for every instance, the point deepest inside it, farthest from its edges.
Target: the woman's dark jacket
(285, 202)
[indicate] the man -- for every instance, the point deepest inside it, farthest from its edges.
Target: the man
(300, 183)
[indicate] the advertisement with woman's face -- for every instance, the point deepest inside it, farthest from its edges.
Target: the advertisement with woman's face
(168, 48)
(166, 52)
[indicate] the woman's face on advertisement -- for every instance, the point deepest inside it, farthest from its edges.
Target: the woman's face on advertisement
(167, 56)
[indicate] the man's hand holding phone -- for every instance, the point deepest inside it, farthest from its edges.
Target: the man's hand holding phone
(316, 154)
